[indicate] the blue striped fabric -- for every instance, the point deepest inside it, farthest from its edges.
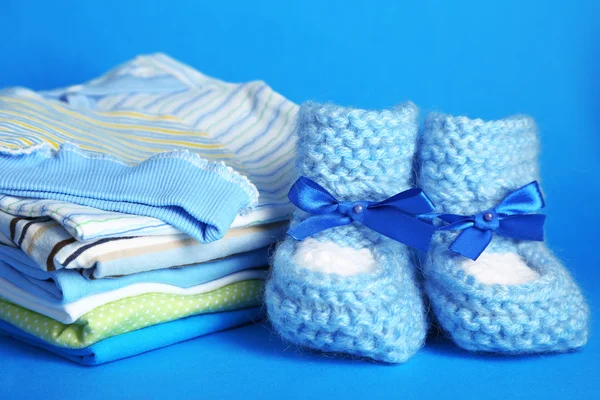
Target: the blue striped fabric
(250, 119)
(248, 126)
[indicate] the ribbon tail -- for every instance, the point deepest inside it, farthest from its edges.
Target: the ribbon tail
(399, 226)
(311, 197)
(453, 218)
(456, 222)
(472, 242)
(523, 227)
(316, 224)
(527, 199)
(412, 202)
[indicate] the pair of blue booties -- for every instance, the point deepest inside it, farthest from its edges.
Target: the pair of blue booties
(347, 279)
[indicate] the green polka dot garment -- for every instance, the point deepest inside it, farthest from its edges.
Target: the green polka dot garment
(130, 314)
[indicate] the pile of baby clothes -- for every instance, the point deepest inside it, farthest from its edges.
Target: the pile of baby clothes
(137, 210)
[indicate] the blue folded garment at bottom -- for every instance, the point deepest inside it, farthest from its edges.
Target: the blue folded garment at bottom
(143, 340)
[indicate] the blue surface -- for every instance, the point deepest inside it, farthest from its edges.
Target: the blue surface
(539, 58)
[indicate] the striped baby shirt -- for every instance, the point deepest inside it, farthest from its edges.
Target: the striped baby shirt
(52, 248)
(223, 151)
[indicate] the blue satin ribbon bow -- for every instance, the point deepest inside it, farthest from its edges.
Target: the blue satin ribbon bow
(511, 218)
(395, 217)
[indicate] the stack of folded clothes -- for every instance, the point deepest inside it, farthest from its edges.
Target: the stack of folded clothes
(137, 210)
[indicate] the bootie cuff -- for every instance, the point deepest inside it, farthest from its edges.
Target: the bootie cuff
(470, 165)
(357, 154)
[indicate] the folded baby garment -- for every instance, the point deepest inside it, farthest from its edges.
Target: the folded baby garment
(256, 124)
(134, 203)
(131, 313)
(52, 248)
(134, 163)
(88, 223)
(142, 340)
(67, 286)
(71, 312)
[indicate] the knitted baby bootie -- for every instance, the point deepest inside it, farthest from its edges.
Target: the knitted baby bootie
(491, 283)
(349, 289)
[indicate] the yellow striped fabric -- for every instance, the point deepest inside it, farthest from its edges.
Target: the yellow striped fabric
(130, 137)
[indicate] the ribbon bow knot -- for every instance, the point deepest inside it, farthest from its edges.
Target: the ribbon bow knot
(353, 209)
(511, 218)
(395, 217)
(487, 220)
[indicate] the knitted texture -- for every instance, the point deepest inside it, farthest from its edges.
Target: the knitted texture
(469, 166)
(355, 155)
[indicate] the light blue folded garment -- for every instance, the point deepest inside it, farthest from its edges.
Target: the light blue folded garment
(66, 286)
(143, 340)
(198, 197)
(151, 138)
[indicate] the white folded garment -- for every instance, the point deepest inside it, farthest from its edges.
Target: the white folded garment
(71, 312)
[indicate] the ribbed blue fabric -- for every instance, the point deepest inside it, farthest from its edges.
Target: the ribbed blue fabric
(356, 155)
(255, 124)
(143, 340)
(469, 166)
(158, 187)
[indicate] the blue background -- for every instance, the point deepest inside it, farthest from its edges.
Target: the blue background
(463, 57)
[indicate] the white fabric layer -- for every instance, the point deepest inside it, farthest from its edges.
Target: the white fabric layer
(71, 312)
